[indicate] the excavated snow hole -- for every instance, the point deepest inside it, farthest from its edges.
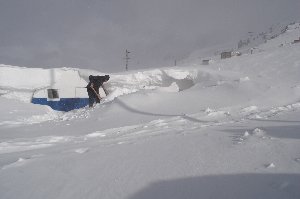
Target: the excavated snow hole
(182, 83)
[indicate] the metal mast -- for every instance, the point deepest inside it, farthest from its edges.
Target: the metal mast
(127, 59)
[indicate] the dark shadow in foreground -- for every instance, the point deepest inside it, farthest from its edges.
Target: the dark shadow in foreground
(239, 186)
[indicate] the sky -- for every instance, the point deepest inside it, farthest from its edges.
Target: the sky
(94, 34)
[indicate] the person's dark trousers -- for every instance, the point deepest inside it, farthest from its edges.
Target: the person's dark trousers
(97, 100)
(91, 101)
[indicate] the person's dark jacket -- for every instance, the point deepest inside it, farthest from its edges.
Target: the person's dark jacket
(97, 82)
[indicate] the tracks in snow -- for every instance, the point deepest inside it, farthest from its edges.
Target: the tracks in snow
(129, 134)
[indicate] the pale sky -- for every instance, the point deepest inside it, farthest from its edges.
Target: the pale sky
(95, 33)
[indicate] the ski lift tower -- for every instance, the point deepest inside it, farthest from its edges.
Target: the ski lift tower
(127, 59)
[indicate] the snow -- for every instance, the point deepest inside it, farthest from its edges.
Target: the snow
(230, 129)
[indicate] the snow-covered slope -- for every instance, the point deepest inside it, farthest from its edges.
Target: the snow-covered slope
(230, 129)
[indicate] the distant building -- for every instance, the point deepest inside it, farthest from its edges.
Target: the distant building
(225, 55)
(205, 62)
(236, 53)
(297, 41)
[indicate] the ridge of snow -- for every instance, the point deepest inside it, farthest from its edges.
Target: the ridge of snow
(173, 132)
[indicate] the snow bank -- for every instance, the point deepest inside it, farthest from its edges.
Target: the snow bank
(158, 138)
(20, 82)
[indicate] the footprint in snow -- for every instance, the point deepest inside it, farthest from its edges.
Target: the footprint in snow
(270, 165)
(260, 133)
(82, 150)
(95, 135)
(297, 160)
(241, 138)
(20, 162)
(256, 133)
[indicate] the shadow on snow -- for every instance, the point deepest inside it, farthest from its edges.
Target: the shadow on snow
(127, 107)
(241, 186)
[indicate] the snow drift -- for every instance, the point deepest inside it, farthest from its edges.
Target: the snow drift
(174, 132)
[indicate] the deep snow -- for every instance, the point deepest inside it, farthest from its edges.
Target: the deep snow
(227, 130)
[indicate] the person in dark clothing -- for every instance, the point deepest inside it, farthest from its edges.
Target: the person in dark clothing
(93, 88)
